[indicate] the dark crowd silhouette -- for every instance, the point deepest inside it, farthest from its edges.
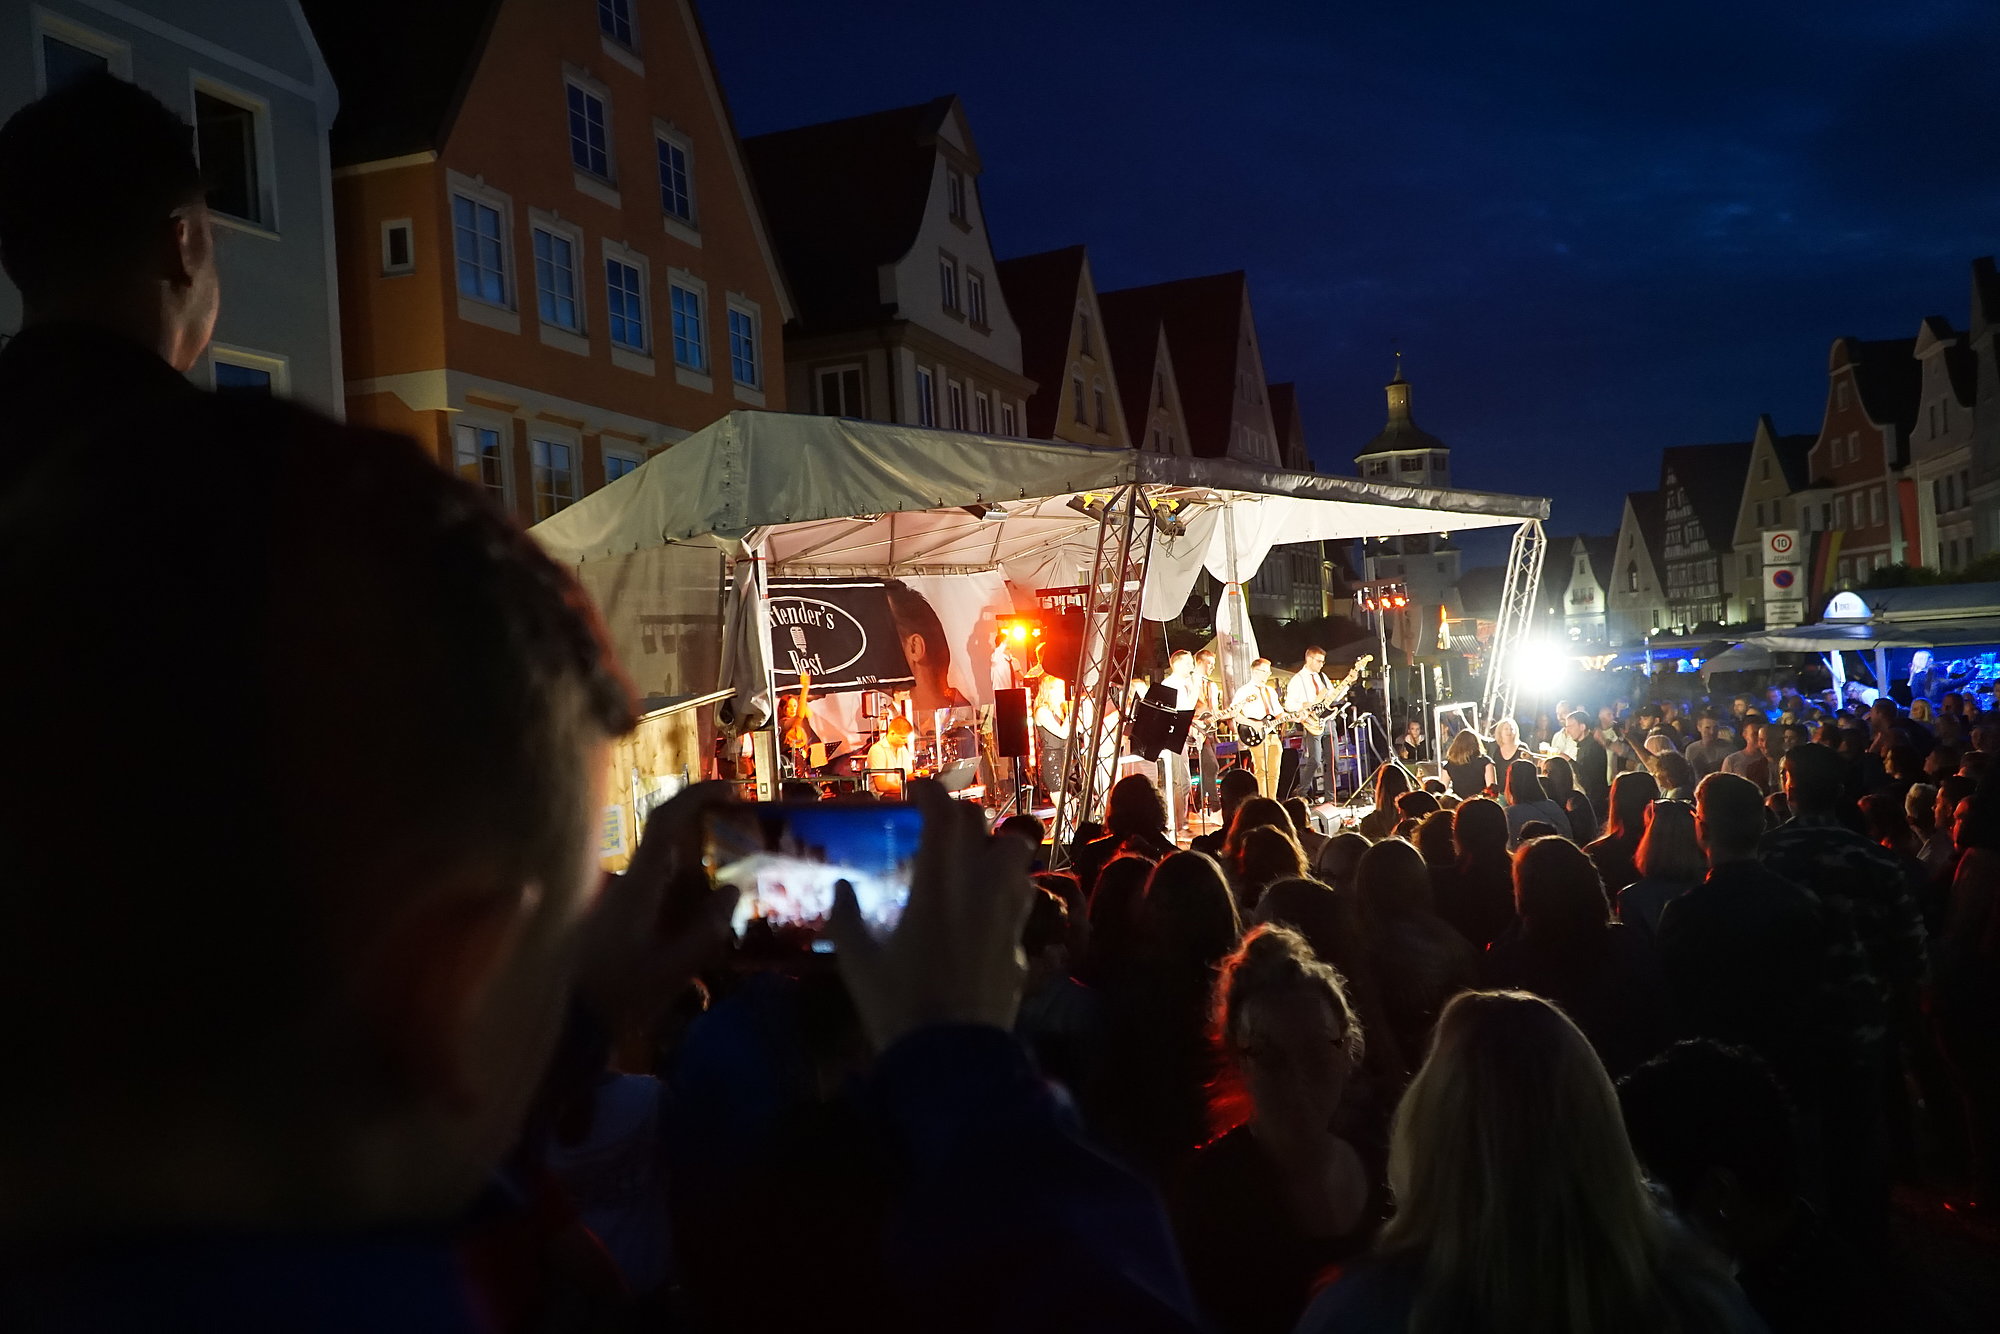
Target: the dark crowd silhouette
(332, 1024)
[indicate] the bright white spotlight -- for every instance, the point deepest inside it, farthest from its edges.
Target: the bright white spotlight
(1542, 664)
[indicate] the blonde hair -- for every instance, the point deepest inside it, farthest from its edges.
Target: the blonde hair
(1518, 1197)
(1510, 725)
(1920, 710)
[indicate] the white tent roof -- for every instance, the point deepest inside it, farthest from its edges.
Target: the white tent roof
(824, 494)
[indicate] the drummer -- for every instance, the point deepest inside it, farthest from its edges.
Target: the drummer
(892, 750)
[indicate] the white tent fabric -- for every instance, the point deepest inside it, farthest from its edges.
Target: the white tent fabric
(812, 495)
(1830, 636)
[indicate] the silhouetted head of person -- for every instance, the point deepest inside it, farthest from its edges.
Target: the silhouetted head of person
(1524, 785)
(103, 219)
(1814, 776)
(1479, 828)
(325, 954)
(1188, 916)
(1729, 817)
(1135, 808)
(1235, 787)
(1558, 892)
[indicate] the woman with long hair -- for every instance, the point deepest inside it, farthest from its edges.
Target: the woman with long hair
(1466, 767)
(1268, 854)
(1280, 1194)
(1391, 782)
(1157, 1059)
(1477, 898)
(1670, 862)
(1559, 781)
(1114, 920)
(1419, 960)
(1330, 920)
(1605, 975)
(1528, 800)
(1519, 1204)
(1135, 824)
(1631, 793)
(1256, 813)
(1506, 746)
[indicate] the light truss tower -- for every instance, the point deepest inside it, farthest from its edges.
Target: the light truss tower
(1099, 685)
(1517, 617)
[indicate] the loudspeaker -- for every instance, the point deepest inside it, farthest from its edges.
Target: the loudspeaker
(1010, 722)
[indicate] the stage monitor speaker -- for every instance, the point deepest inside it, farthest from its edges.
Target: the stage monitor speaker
(1010, 722)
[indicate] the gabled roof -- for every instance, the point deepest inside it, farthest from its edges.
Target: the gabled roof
(1649, 512)
(1795, 458)
(1713, 476)
(1203, 318)
(843, 198)
(1603, 553)
(1888, 378)
(1041, 292)
(1284, 401)
(402, 70)
(1132, 340)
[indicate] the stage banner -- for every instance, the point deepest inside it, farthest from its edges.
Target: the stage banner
(950, 628)
(842, 632)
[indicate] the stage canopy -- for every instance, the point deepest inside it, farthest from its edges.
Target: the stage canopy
(830, 496)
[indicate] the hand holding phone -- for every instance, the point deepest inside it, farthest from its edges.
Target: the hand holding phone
(784, 860)
(955, 955)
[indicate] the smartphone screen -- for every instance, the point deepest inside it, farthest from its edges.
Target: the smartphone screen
(784, 860)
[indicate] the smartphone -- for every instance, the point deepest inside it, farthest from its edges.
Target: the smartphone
(785, 858)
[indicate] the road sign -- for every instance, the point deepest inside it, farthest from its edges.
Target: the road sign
(1781, 546)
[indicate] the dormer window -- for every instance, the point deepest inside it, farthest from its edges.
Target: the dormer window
(954, 193)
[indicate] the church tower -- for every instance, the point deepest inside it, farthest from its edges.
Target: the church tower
(1404, 454)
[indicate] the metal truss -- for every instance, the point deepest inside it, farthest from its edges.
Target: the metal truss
(1517, 617)
(1101, 681)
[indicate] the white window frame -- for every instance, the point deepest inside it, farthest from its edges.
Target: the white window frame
(624, 453)
(641, 360)
(267, 222)
(503, 315)
(948, 283)
(820, 374)
(408, 227)
(631, 17)
(954, 403)
(117, 54)
(1100, 406)
(700, 377)
(955, 195)
(504, 428)
(279, 367)
(926, 397)
(570, 338)
(542, 433)
(686, 229)
(982, 412)
(1009, 420)
(735, 303)
(975, 299)
(599, 186)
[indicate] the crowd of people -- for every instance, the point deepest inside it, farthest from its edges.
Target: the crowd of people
(337, 1026)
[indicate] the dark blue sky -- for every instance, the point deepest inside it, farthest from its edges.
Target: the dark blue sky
(1594, 230)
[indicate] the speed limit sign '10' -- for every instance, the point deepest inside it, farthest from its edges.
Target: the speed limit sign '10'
(1781, 547)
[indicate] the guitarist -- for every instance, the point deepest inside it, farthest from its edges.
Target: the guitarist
(1258, 713)
(1208, 714)
(1308, 687)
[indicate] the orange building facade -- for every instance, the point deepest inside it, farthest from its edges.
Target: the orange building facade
(552, 265)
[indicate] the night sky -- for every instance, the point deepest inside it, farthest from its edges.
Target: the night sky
(1593, 230)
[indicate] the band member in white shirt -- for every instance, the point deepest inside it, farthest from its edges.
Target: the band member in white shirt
(1182, 691)
(1307, 687)
(1257, 704)
(892, 751)
(1051, 722)
(1207, 718)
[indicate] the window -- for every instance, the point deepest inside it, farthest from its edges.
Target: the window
(235, 380)
(479, 458)
(226, 139)
(481, 254)
(398, 250)
(617, 465)
(1826, 517)
(1840, 396)
(1853, 446)
(555, 476)
(954, 193)
(625, 304)
(1410, 464)
(954, 397)
(1632, 577)
(1076, 396)
(555, 280)
(1008, 426)
(589, 139)
(63, 63)
(690, 336)
(926, 397)
(743, 347)
(1881, 560)
(1965, 486)
(1840, 511)
(1760, 514)
(840, 392)
(1083, 346)
(982, 413)
(676, 196)
(975, 298)
(1378, 467)
(614, 20)
(1764, 470)
(1097, 400)
(1937, 495)
(1874, 508)
(948, 281)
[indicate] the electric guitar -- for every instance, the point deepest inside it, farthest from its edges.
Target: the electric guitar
(1313, 717)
